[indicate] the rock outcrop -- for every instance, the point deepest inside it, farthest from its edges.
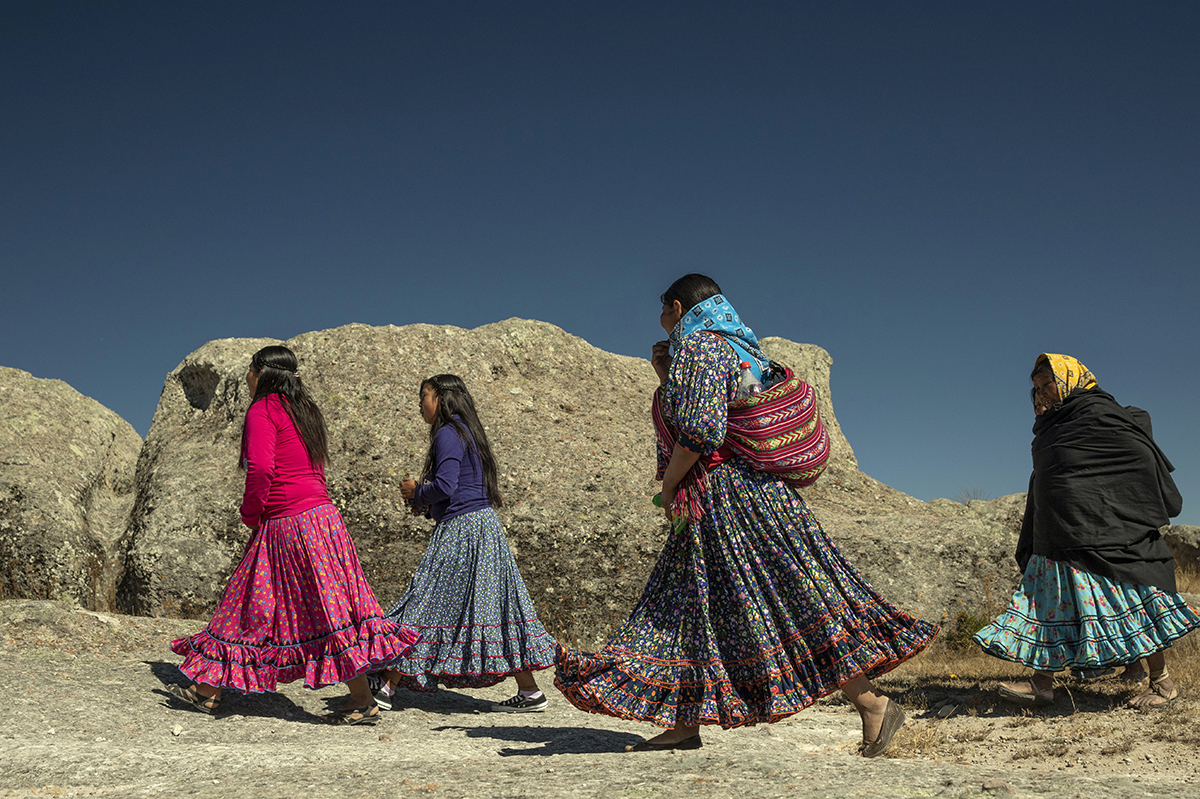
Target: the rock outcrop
(66, 488)
(570, 427)
(1184, 540)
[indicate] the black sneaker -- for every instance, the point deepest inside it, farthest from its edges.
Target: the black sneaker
(521, 704)
(380, 689)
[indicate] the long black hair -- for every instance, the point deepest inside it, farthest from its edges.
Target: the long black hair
(691, 290)
(456, 408)
(279, 373)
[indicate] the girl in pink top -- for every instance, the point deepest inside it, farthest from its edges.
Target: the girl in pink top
(298, 604)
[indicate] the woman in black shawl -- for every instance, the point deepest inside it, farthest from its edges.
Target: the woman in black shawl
(1099, 581)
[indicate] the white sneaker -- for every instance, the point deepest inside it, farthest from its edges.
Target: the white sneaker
(521, 704)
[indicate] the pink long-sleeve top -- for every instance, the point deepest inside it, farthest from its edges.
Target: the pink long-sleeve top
(280, 479)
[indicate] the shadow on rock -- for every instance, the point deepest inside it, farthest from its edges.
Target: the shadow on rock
(233, 702)
(166, 673)
(443, 701)
(554, 740)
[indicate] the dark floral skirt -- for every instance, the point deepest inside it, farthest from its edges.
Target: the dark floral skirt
(749, 616)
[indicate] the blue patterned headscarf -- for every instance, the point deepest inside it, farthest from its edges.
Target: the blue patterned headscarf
(716, 315)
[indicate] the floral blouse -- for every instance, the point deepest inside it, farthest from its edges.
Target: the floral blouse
(703, 381)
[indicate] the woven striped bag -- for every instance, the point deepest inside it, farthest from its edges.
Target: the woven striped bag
(780, 431)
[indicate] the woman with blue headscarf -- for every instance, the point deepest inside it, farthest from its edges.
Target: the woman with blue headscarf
(751, 613)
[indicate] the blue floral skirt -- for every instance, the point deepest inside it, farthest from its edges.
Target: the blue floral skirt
(470, 607)
(1061, 617)
(749, 616)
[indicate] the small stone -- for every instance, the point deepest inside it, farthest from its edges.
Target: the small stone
(386, 736)
(177, 730)
(995, 785)
(946, 711)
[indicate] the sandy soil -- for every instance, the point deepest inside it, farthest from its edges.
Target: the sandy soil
(85, 714)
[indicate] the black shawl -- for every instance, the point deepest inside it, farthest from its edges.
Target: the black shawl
(1100, 490)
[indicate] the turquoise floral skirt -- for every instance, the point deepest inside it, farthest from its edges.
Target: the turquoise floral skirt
(1061, 617)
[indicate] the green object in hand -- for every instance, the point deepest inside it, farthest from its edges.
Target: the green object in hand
(657, 500)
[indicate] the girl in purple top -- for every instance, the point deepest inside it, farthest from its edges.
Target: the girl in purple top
(467, 600)
(298, 605)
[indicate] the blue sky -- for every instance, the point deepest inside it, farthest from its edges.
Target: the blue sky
(933, 192)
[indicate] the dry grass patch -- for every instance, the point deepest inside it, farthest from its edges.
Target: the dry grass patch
(1121, 746)
(1188, 580)
(1176, 724)
(927, 739)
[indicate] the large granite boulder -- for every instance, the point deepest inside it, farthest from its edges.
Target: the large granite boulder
(570, 426)
(1184, 540)
(66, 488)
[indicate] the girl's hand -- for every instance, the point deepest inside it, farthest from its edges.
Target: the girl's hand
(660, 359)
(408, 488)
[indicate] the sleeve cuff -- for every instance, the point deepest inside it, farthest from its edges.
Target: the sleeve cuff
(692, 444)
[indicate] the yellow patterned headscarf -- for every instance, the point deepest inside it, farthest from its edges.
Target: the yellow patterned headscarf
(1069, 373)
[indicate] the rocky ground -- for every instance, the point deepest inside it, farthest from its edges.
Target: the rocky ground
(85, 714)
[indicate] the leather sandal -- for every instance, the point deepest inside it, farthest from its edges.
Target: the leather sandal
(350, 716)
(1037, 698)
(1144, 701)
(193, 698)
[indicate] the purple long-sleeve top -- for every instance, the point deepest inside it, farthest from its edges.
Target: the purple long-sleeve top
(280, 479)
(457, 485)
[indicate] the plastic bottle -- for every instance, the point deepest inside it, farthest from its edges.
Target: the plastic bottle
(748, 385)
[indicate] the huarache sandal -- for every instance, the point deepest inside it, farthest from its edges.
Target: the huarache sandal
(349, 716)
(893, 720)
(1037, 698)
(1156, 697)
(691, 742)
(196, 700)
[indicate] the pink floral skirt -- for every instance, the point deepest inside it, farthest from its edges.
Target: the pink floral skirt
(297, 606)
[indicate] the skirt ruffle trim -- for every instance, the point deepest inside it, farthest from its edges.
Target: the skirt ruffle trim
(473, 661)
(1092, 642)
(626, 685)
(331, 659)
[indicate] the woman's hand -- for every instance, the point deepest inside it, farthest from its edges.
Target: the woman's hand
(660, 359)
(682, 460)
(667, 498)
(408, 488)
